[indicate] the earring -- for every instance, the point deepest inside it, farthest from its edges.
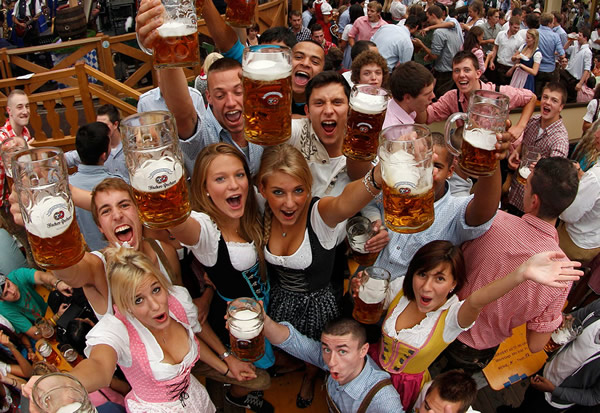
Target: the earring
(208, 195)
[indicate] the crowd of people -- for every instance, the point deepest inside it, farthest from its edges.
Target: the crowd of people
(269, 222)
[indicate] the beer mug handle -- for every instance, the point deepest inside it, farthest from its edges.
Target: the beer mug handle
(450, 129)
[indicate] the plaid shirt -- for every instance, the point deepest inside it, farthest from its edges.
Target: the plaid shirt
(6, 132)
(552, 141)
(303, 34)
(507, 244)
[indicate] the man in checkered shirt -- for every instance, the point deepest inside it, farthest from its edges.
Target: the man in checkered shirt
(545, 133)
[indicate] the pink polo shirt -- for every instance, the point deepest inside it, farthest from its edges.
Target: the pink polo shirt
(363, 30)
(395, 115)
(449, 104)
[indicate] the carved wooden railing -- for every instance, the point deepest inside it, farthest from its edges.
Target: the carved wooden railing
(50, 110)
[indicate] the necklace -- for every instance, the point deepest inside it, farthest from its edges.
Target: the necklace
(283, 234)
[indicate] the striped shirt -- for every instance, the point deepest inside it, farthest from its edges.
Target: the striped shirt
(507, 244)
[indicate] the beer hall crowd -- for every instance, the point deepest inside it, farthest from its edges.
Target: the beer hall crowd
(208, 236)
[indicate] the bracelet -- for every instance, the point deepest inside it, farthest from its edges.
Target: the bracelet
(58, 281)
(226, 354)
(227, 372)
(365, 181)
(14, 382)
(372, 177)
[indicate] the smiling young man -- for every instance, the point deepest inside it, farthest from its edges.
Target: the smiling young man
(354, 379)
(466, 76)
(546, 133)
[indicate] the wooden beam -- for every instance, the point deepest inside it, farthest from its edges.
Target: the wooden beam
(86, 96)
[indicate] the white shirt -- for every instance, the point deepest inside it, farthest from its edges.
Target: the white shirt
(571, 358)
(417, 336)
(580, 60)
(348, 76)
(302, 257)
(112, 332)
(4, 321)
(593, 37)
(591, 111)
(582, 217)
(507, 46)
(242, 254)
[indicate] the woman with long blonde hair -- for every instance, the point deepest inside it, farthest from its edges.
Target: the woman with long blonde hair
(527, 62)
(300, 236)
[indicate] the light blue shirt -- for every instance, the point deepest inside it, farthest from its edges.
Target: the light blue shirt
(549, 44)
(209, 131)
(562, 33)
(445, 44)
(87, 177)
(349, 396)
(153, 100)
(449, 225)
(115, 163)
(343, 20)
(306, 18)
(394, 44)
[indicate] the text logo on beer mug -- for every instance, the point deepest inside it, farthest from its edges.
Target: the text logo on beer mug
(40, 176)
(368, 105)
(406, 159)
(487, 114)
(177, 42)
(155, 166)
(245, 320)
(368, 304)
(267, 82)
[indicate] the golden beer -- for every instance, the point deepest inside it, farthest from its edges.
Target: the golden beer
(267, 84)
(249, 350)
(368, 106)
(199, 6)
(176, 45)
(164, 203)
(61, 251)
(478, 152)
(367, 313)
(522, 174)
(240, 13)
(365, 259)
(407, 212)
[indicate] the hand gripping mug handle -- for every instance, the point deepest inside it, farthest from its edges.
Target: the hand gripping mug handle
(450, 129)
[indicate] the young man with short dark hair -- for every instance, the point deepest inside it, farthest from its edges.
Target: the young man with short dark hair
(546, 133)
(354, 379)
(451, 392)
(579, 68)
(301, 32)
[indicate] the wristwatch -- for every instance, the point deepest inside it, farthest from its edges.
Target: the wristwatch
(225, 355)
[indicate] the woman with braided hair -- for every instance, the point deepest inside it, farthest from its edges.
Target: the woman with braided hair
(300, 236)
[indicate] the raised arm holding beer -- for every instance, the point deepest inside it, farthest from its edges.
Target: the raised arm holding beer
(300, 236)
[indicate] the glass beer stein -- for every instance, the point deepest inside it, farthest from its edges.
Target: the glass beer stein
(155, 166)
(529, 157)
(487, 114)
(246, 335)
(177, 42)
(40, 176)
(8, 149)
(359, 230)
(267, 82)
(368, 105)
(368, 304)
(61, 393)
(405, 152)
(240, 13)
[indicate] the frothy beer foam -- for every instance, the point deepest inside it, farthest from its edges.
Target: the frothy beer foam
(399, 171)
(481, 138)
(562, 336)
(69, 408)
(373, 291)
(368, 104)
(175, 29)
(244, 325)
(357, 243)
(50, 217)
(524, 171)
(266, 70)
(157, 175)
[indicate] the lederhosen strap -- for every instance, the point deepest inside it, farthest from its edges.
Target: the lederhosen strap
(366, 401)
